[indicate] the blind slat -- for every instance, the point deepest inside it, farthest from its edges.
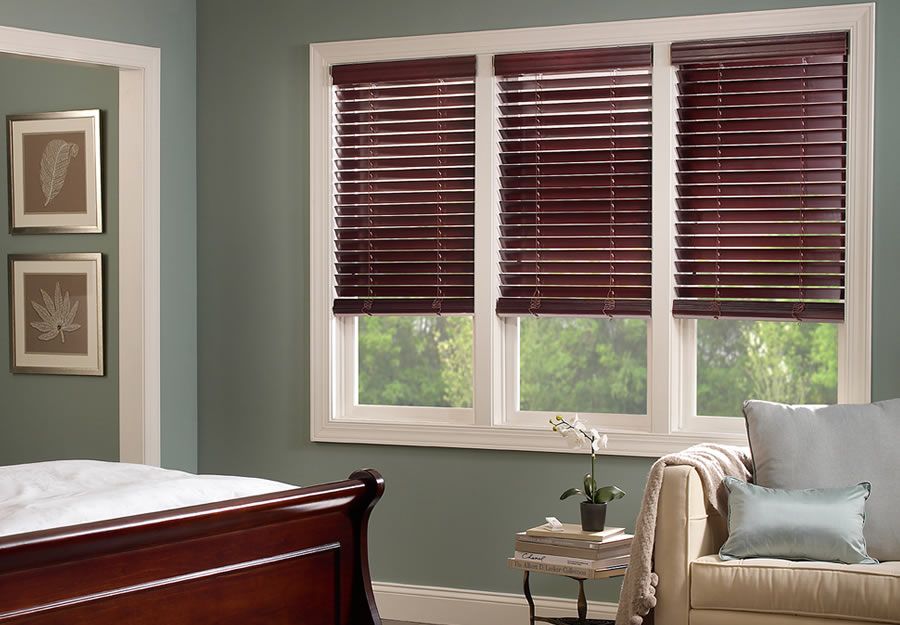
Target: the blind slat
(579, 156)
(362, 269)
(440, 161)
(566, 82)
(420, 278)
(435, 197)
(764, 84)
(574, 169)
(772, 215)
(427, 138)
(399, 245)
(412, 91)
(584, 266)
(370, 117)
(809, 70)
(761, 112)
(403, 306)
(435, 150)
(434, 184)
(590, 254)
(402, 255)
(599, 243)
(572, 218)
(565, 95)
(728, 174)
(761, 99)
(379, 221)
(550, 132)
(762, 125)
(437, 104)
(417, 208)
(363, 175)
(776, 266)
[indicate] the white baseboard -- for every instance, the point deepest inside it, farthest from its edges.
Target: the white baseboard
(457, 606)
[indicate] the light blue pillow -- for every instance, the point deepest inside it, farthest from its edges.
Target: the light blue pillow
(823, 524)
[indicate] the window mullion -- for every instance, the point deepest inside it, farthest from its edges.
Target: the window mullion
(488, 367)
(855, 334)
(664, 386)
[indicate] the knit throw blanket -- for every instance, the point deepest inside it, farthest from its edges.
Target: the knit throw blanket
(713, 463)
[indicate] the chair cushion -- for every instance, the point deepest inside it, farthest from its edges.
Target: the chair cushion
(797, 447)
(865, 592)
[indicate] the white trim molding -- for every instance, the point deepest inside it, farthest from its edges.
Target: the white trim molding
(455, 606)
(495, 421)
(139, 206)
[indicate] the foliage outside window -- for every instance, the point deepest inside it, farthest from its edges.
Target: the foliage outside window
(415, 361)
(776, 361)
(575, 364)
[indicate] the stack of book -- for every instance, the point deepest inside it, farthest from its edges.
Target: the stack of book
(572, 551)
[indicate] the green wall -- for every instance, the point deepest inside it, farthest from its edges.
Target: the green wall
(448, 514)
(49, 417)
(171, 26)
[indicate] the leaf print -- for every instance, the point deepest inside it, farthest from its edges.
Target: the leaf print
(42, 312)
(54, 167)
(48, 302)
(57, 315)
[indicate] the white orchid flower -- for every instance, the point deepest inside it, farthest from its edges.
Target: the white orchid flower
(598, 441)
(574, 438)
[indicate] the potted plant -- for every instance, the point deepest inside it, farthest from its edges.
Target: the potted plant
(593, 508)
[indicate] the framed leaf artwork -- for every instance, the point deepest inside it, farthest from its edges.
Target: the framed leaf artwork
(54, 172)
(56, 313)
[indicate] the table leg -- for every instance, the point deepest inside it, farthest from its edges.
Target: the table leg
(527, 589)
(582, 601)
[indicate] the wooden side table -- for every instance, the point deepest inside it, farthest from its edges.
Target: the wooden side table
(582, 618)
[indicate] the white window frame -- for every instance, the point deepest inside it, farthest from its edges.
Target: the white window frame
(670, 423)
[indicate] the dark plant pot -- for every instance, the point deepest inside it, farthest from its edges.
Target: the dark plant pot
(593, 516)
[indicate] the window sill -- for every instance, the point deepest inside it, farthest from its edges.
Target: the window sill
(511, 438)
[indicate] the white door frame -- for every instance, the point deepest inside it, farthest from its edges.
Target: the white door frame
(139, 243)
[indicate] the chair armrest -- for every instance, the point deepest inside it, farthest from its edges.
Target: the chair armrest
(686, 528)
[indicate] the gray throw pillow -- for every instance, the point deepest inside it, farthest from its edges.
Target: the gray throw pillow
(796, 447)
(823, 524)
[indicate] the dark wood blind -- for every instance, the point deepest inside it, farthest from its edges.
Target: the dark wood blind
(575, 143)
(404, 186)
(762, 130)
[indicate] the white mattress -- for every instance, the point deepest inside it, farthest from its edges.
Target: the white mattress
(46, 495)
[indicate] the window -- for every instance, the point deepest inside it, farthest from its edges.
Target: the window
(575, 221)
(404, 232)
(643, 222)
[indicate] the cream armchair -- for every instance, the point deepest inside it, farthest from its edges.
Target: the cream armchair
(697, 588)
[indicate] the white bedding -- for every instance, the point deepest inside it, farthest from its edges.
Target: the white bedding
(45, 495)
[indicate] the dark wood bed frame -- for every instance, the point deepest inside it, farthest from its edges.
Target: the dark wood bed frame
(298, 557)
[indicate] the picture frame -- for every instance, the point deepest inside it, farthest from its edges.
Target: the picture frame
(56, 314)
(55, 176)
